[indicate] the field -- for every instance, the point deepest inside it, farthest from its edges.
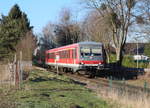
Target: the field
(48, 90)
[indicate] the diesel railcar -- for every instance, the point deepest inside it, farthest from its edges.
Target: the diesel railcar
(78, 56)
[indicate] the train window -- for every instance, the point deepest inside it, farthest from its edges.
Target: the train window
(63, 54)
(47, 55)
(68, 53)
(52, 55)
(60, 54)
(96, 51)
(85, 51)
(72, 53)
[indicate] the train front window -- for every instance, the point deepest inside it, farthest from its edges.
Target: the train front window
(85, 52)
(91, 53)
(96, 51)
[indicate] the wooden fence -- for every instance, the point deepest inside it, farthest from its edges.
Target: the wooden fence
(12, 73)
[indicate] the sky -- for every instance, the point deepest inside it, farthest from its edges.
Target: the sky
(40, 12)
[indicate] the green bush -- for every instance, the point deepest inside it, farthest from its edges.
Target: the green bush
(128, 61)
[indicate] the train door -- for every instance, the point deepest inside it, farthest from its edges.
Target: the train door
(74, 55)
(71, 56)
(57, 57)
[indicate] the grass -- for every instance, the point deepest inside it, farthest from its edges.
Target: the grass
(140, 82)
(125, 99)
(48, 90)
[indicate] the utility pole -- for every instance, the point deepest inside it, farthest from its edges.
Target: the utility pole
(137, 55)
(137, 50)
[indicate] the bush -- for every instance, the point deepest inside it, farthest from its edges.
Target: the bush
(128, 61)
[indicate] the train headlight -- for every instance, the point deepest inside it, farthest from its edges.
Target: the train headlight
(100, 63)
(82, 63)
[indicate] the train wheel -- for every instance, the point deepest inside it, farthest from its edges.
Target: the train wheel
(48, 68)
(61, 70)
(91, 74)
(77, 73)
(65, 70)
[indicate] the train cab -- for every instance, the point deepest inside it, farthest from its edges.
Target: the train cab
(91, 55)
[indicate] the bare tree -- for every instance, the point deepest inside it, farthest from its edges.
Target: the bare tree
(97, 28)
(67, 31)
(26, 45)
(48, 39)
(119, 15)
(143, 19)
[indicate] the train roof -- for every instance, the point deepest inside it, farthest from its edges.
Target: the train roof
(75, 44)
(90, 42)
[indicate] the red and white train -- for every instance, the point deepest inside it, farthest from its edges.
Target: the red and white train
(78, 56)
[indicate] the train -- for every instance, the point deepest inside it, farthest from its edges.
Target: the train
(82, 56)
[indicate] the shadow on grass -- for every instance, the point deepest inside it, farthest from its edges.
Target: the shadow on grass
(41, 79)
(75, 106)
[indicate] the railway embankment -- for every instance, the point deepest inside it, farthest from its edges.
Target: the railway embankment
(43, 89)
(120, 91)
(47, 89)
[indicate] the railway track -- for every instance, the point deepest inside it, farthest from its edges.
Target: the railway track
(110, 84)
(106, 84)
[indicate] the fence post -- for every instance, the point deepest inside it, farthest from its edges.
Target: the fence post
(14, 69)
(20, 69)
(145, 85)
(123, 81)
(17, 75)
(110, 82)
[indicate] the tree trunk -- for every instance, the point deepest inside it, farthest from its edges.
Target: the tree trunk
(108, 57)
(119, 56)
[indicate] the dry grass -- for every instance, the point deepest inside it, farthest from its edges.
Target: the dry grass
(125, 100)
(6, 100)
(4, 73)
(141, 80)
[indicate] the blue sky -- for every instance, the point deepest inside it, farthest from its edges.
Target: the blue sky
(40, 12)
